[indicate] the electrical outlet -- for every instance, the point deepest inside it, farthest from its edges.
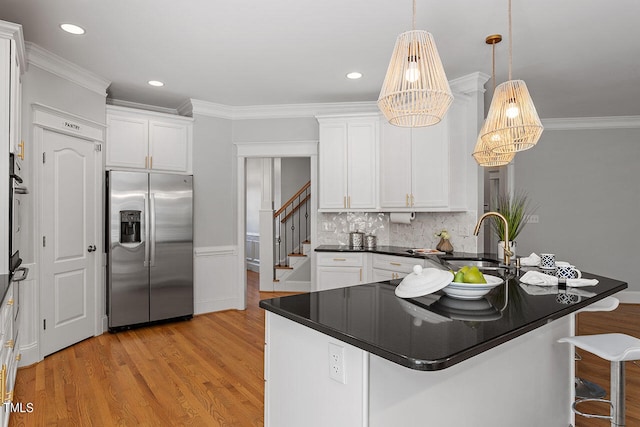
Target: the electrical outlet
(533, 219)
(336, 363)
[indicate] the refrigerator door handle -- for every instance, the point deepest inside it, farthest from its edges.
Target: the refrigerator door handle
(152, 226)
(146, 231)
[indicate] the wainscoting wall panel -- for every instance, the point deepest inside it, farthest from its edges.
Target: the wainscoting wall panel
(216, 279)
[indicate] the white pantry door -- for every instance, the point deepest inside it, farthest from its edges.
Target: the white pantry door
(67, 289)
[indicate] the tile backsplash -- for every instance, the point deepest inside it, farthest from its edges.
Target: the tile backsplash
(334, 229)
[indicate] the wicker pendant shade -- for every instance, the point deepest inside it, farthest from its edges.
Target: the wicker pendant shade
(415, 91)
(483, 153)
(512, 124)
(486, 157)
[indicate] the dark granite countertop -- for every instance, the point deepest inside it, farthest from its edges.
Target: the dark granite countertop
(434, 332)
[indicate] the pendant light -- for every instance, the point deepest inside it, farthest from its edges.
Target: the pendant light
(415, 91)
(482, 153)
(512, 123)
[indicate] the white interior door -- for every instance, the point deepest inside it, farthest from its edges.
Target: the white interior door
(68, 257)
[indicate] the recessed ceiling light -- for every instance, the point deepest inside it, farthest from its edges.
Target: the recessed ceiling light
(73, 29)
(155, 83)
(354, 75)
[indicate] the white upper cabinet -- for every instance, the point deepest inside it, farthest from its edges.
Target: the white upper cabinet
(152, 141)
(417, 166)
(348, 153)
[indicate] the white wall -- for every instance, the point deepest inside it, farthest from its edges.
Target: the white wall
(586, 183)
(39, 86)
(295, 172)
(254, 194)
(267, 130)
(216, 281)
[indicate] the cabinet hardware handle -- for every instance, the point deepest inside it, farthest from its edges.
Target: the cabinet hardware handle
(10, 302)
(21, 145)
(344, 202)
(91, 248)
(19, 357)
(9, 344)
(3, 380)
(349, 198)
(339, 259)
(395, 263)
(412, 201)
(146, 162)
(406, 199)
(361, 275)
(150, 162)
(9, 396)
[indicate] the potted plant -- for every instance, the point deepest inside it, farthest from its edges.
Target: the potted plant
(516, 209)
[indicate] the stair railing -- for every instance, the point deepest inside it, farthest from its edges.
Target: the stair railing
(289, 238)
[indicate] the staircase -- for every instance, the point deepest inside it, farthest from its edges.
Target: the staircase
(292, 266)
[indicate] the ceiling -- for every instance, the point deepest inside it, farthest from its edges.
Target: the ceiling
(579, 58)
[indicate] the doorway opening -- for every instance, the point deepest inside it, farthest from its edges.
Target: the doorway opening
(268, 175)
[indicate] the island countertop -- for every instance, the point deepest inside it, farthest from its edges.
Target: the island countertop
(435, 331)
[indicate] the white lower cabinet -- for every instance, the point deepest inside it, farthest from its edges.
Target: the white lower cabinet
(9, 354)
(390, 267)
(340, 269)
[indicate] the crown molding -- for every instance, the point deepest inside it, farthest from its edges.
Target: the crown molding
(578, 123)
(473, 82)
(14, 31)
(67, 70)
(205, 108)
(140, 106)
(279, 111)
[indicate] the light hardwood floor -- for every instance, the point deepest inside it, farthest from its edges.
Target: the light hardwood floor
(207, 372)
(204, 372)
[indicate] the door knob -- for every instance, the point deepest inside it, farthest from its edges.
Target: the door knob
(91, 248)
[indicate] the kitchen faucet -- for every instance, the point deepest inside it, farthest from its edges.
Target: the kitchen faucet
(507, 249)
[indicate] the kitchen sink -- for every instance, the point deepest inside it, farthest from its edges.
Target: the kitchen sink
(482, 264)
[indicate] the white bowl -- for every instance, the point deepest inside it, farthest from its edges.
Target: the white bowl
(470, 291)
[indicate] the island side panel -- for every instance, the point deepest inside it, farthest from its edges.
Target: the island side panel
(526, 382)
(298, 388)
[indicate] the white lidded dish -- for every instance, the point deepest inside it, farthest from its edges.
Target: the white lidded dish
(423, 281)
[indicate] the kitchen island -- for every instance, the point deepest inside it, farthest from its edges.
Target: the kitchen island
(360, 356)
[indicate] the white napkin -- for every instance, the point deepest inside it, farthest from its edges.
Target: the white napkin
(541, 279)
(530, 260)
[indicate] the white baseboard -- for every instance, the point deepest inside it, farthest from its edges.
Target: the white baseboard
(628, 297)
(29, 354)
(212, 305)
(105, 323)
(292, 286)
(253, 266)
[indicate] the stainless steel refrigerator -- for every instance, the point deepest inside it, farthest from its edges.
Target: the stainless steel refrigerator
(149, 237)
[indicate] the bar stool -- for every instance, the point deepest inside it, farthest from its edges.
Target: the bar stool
(617, 349)
(586, 389)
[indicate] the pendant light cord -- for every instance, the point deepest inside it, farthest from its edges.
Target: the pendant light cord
(493, 64)
(414, 15)
(510, 40)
